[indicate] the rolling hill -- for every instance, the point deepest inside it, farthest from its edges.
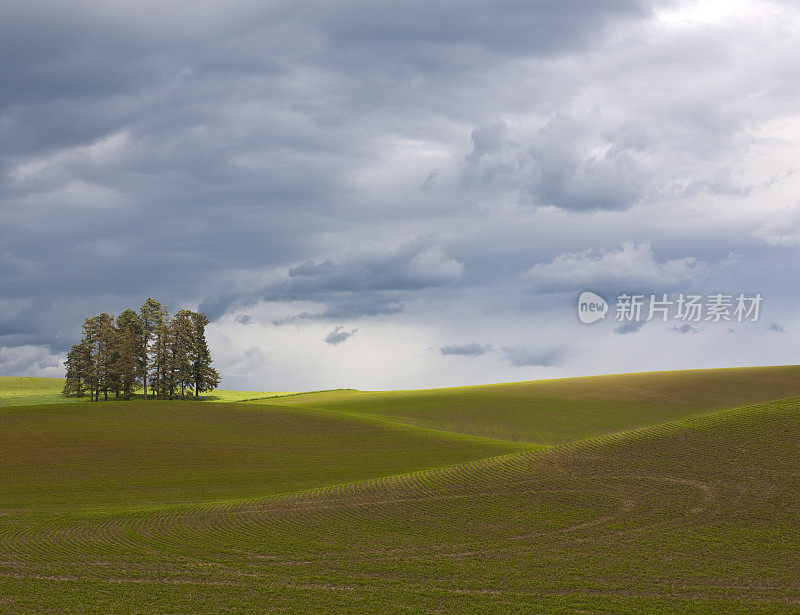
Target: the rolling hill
(559, 411)
(670, 492)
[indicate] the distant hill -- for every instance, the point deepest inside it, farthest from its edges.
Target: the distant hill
(558, 411)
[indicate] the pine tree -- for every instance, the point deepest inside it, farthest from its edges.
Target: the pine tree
(130, 342)
(205, 377)
(160, 381)
(78, 364)
(150, 349)
(96, 337)
(108, 379)
(151, 314)
(181, 344)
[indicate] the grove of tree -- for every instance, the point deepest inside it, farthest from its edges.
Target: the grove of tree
(147, 350)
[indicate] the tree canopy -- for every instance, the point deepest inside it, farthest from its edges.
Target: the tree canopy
(148, 350)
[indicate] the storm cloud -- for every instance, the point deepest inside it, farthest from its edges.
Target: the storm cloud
(423, 172)
(339, 335)
(472, 349)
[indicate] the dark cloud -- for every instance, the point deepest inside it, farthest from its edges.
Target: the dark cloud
(631, 326)
(411, 266)
(361, 284)
(383, 161)
(349, 307)
(472, 349)
(559, 165)
(428, 183)
(543, 27)
(310, 268)
(774, 326)
(685, 328)
(243, 319)
(339, 335)
(526, 357)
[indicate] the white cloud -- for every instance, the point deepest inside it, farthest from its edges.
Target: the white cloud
(634, 265)
(31, 361)
(783, 227)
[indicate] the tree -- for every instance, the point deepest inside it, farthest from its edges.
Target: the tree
(151, 314)
(130, 342)
(149, 348)
(97, 335)
(204, 377)
(160, 383)
(181, 343)
(108, 379)
(79, 365)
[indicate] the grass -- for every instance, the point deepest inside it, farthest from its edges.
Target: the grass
(319, 504)
(25, 391)
(558, 411)
(79, 456)
(22, 391)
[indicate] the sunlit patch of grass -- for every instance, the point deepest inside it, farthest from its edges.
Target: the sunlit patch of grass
(558, 411)
(25, 391)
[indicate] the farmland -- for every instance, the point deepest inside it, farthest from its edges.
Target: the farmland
(662, 492)
(24, 391)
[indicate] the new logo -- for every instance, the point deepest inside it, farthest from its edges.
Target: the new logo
(591, 307)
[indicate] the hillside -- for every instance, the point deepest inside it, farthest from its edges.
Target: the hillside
(542, 412)
(77, 456)
(667, 492)
(694, 516)
(558, 411)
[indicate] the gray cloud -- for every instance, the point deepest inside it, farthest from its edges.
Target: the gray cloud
(472, 349)
(632, 326)
(361, 284)
(685, 328)
(243, 319)
(526, 357)
(428, 183)
(774, 326)
(401, 164)
(634, 266)
(557, 166)
(339, 335)
(348, 307)
(26, 360)
(311, 268)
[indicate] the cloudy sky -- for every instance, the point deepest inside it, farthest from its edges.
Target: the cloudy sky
(398, 195)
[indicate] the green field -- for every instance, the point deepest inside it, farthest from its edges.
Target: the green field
(24, 391)
(665, 492)
(560, 411)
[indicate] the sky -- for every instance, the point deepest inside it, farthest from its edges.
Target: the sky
(403, 195)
